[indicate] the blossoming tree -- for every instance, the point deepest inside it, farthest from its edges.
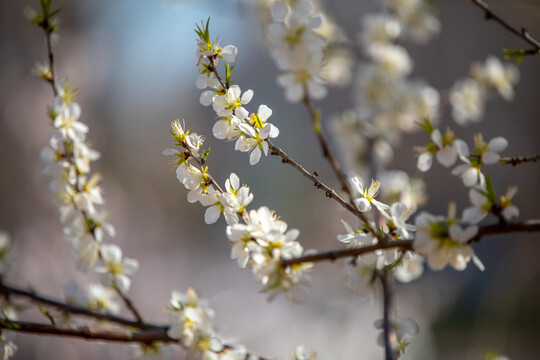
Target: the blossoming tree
(389, 231)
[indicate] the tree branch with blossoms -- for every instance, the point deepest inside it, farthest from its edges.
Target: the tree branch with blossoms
(383, 245)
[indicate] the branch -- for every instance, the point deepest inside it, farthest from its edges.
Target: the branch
(336, 254)
(499, 229)
(129, 305)
(385, 276)
(75, 310)
(315, 120)
(488, 230)
(514, 161)
(522, 34)
(331, 193)
(146, 336)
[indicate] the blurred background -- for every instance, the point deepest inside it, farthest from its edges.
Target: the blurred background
(134, 64)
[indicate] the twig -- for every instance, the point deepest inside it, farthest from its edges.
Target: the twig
(385, 276)
(48, 31)
(331, 193)
(522, 34)
(129, 305)
(514, 161)
(317, 128)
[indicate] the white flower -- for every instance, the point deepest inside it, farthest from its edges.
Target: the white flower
(189, 176)
(410, 268)
(403, 328)
(231, 102)
(399, 214)
(498, 76)
(227, 128)
(379, 28)
(304, 77)
(66, 122)
(467, 98)
(393, 60)
(355, 238)
(301, 354)
(6, 257)
(253, 137)
(444, 242)
(235, 200)
(367, 196)
(114, 269)
(481, 206)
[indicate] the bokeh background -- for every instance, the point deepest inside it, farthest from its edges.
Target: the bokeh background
(133, 62)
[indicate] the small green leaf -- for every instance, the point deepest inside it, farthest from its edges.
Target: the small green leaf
(426, 125)
(517, 54)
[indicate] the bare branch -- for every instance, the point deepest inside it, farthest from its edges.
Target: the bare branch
(522, 34)
(514, 161)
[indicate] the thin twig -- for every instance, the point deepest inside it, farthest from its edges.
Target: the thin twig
(522, 34)
(327, 153)
(48, 31)
(514, 161)
(385, 276)
(331, 193)
(129, 305)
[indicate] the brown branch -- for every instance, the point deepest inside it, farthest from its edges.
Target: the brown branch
(507, 228)
(385, 276)
(45, 25)
(488, 230)
(336, 254)
(331, 193)
(75, 310)
(522, 34)
(317, 128)
(129, 305)
(147, 336)
(514, 161)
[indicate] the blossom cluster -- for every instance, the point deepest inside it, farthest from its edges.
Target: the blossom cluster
(361, 269)
(259, 239)
(468, 96)
(190, 322)
(251, 131)
(78, 197)
(297, 49)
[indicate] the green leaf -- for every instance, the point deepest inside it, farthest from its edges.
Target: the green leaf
(517, 54)
(426, 125)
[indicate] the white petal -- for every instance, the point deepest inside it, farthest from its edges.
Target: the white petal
(229, 53)
(497, 144)
(264, 112)
(211, 215)
(246, 97)
(490, 157)
(255, 156)
(447, 156)
(424, 162)
(207, 97)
